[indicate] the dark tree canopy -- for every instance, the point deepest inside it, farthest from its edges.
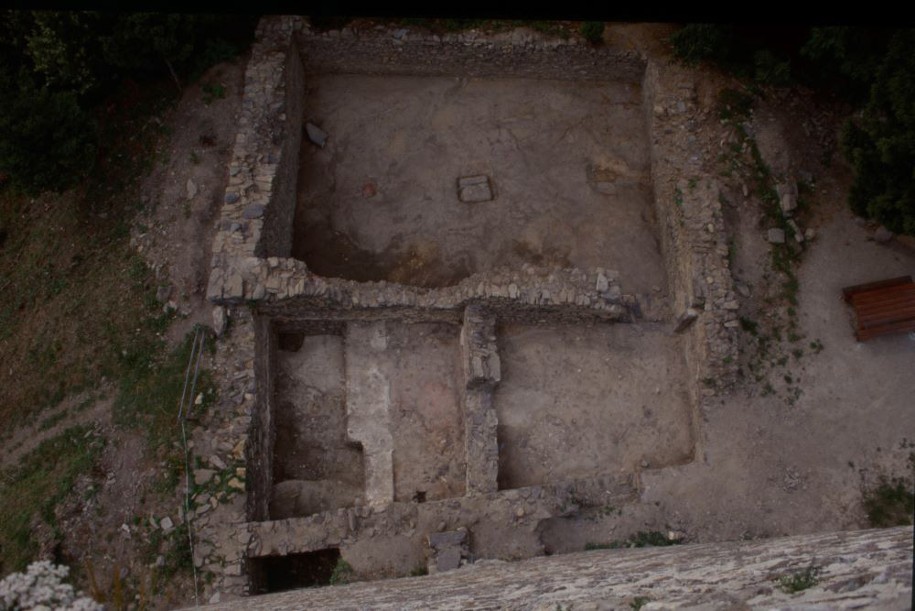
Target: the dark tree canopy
(56, 67)
(874, 68)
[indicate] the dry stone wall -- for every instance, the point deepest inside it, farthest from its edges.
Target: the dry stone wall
(260, 198)
(219, 446)
(691, 224)
(521, 509)
(521, 53)
(250, 267)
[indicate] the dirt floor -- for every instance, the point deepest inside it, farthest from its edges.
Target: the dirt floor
(404, 399)
(582, 401)
(315, 467)
(567, 162)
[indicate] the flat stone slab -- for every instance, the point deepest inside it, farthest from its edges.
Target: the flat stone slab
(776, 236)
(317, 135)
(447, 550)
(472, 189)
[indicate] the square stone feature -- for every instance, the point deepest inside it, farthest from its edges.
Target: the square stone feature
(583, 401)
(472, 189)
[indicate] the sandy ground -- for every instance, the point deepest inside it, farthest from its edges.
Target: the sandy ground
(568, 163)
(583, 401)
(770, 468)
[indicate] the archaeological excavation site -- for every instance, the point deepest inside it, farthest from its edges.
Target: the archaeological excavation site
(467, 306)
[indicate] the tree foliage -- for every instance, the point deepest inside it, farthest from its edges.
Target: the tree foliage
(880, 142)
(46, 140)
(872, 68)
(56, 67)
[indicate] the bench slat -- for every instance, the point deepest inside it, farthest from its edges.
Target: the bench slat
(900, 292)
(848, 291)
(899, 327)
(876, 309)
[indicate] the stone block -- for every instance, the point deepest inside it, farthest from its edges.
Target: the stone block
(883, 235)
(254, 211)
(787, 197)
(685, 320)
(776, 236)
(315, 134)
(447, 550)
(472, 189)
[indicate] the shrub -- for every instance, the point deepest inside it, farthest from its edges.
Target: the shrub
(891, 503)
(701, 41)
(42, 586)
(593, 31)
(46, 140)
(880, 143)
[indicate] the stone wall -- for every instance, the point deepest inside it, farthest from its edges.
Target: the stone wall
(692, 232)
(521, 509)
(263, 432)
(218, 445)
(520, 53)
(276, 237)
(871, 569)
(254, 280)
(259, 201)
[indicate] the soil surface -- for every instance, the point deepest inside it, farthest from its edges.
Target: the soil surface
(569, 406)
(315, 467)
(567, 164)
(110, 522)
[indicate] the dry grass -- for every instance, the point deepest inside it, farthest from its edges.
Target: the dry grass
(73, 297)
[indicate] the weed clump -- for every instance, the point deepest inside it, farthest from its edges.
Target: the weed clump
(643, 538)
(890, 503)
(593, 31)
(799, 581)
(343, 573)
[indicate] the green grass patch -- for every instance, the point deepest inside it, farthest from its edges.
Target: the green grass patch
(890, 503)
(643, 538)
(799, 581)
(36, 486)
(151, 388)
(72, 292)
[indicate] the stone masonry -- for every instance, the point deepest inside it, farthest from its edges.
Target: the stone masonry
(257, 288)
(851, 570)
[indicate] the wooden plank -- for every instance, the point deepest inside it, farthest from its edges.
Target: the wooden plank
(900, 292)
(848, 291)
(899, 327)
(875, 309)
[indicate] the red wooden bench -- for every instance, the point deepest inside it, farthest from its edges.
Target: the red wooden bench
(885, 306)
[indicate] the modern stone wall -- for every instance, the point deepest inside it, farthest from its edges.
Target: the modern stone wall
(866, 569)
(521, 53)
